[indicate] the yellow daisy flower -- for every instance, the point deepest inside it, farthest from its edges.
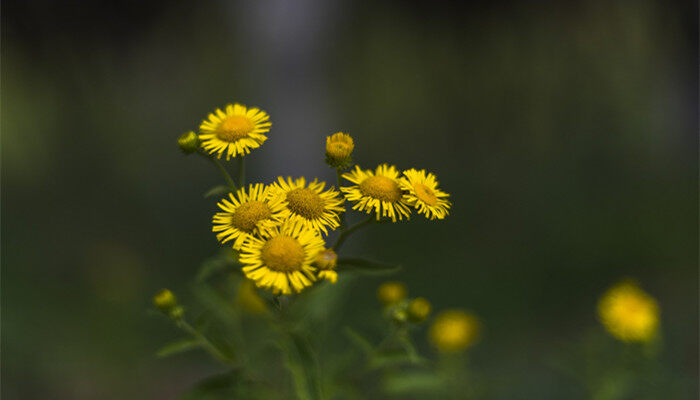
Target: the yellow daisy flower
(424, 195)
(234, 131)
(311, 205)
(378, 191)
(628, 313)
(251, 212)
(326, 261)
(281, 260)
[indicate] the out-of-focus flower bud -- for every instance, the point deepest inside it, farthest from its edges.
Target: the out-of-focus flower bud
(418, 310)
(188, 142)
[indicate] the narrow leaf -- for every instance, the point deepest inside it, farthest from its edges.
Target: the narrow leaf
(177, 346)
(217, 191)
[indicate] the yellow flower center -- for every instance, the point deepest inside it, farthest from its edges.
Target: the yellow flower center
(425, 194)
(234, 127)
(382, 188)
(305, 202)
(283, 254)
(248, 214)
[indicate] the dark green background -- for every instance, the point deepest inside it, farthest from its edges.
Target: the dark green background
(566, 133)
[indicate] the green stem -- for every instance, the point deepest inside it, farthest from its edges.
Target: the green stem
(209, 346)
(342, 215)
(344, 235)
(225, 173)
(241, 171)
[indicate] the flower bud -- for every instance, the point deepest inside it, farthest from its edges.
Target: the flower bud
(339, 148)
(418, 310)
(326, 260)
(188, 142)
(165, 301)
(390, 293)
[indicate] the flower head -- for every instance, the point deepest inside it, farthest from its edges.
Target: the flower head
(339, 148)
(165, 300)
(454, 330)
(418, 310)
(281, 259)
(392, 292)
(423, 194)
(628, 313)
(377, 191)
(188, 142)
(249, 212)
(234, 130)
(312, 206)
(326, 261)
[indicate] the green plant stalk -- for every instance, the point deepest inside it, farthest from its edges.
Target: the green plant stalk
(224, 172)
(206, 344)
(344, 234)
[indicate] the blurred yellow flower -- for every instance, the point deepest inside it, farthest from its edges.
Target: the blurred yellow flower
(390, 293)
(418, 310)
(165, 300)
(628, 313)
(377, 191)
(454, 330)
(249, 212)
(281, 260)
(249, 299)
(326, 260)
(339, 148)
(310, 205)
(423, 194)
(234, 131)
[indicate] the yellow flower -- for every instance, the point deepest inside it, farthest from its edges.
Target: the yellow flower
(251, 212)
(418, 310)
(310, 205)
(454, 330)
(424, 195)
(281, 259)
(377, 191)
(628, 313)
(339, 148)
(234, 131)
(249, 299)
(390, 293)
(326, 261)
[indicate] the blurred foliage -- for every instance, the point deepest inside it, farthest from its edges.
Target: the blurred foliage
(565, 132)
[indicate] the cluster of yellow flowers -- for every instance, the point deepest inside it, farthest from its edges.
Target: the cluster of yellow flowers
(279, 228)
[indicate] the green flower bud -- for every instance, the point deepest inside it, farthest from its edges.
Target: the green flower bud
(165, 301)
(188, 142)
(418, 310)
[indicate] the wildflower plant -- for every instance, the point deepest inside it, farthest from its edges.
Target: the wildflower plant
(282, 265)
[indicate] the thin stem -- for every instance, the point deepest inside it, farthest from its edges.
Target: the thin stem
(209, 346)
(225, 173)
(241, 171)
(342, 215)
(344, 235)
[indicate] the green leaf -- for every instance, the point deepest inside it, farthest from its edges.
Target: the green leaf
(217, 191)
(178, 346)
(394, 358)
(367, 266)
(411, 382)
(360, 341)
